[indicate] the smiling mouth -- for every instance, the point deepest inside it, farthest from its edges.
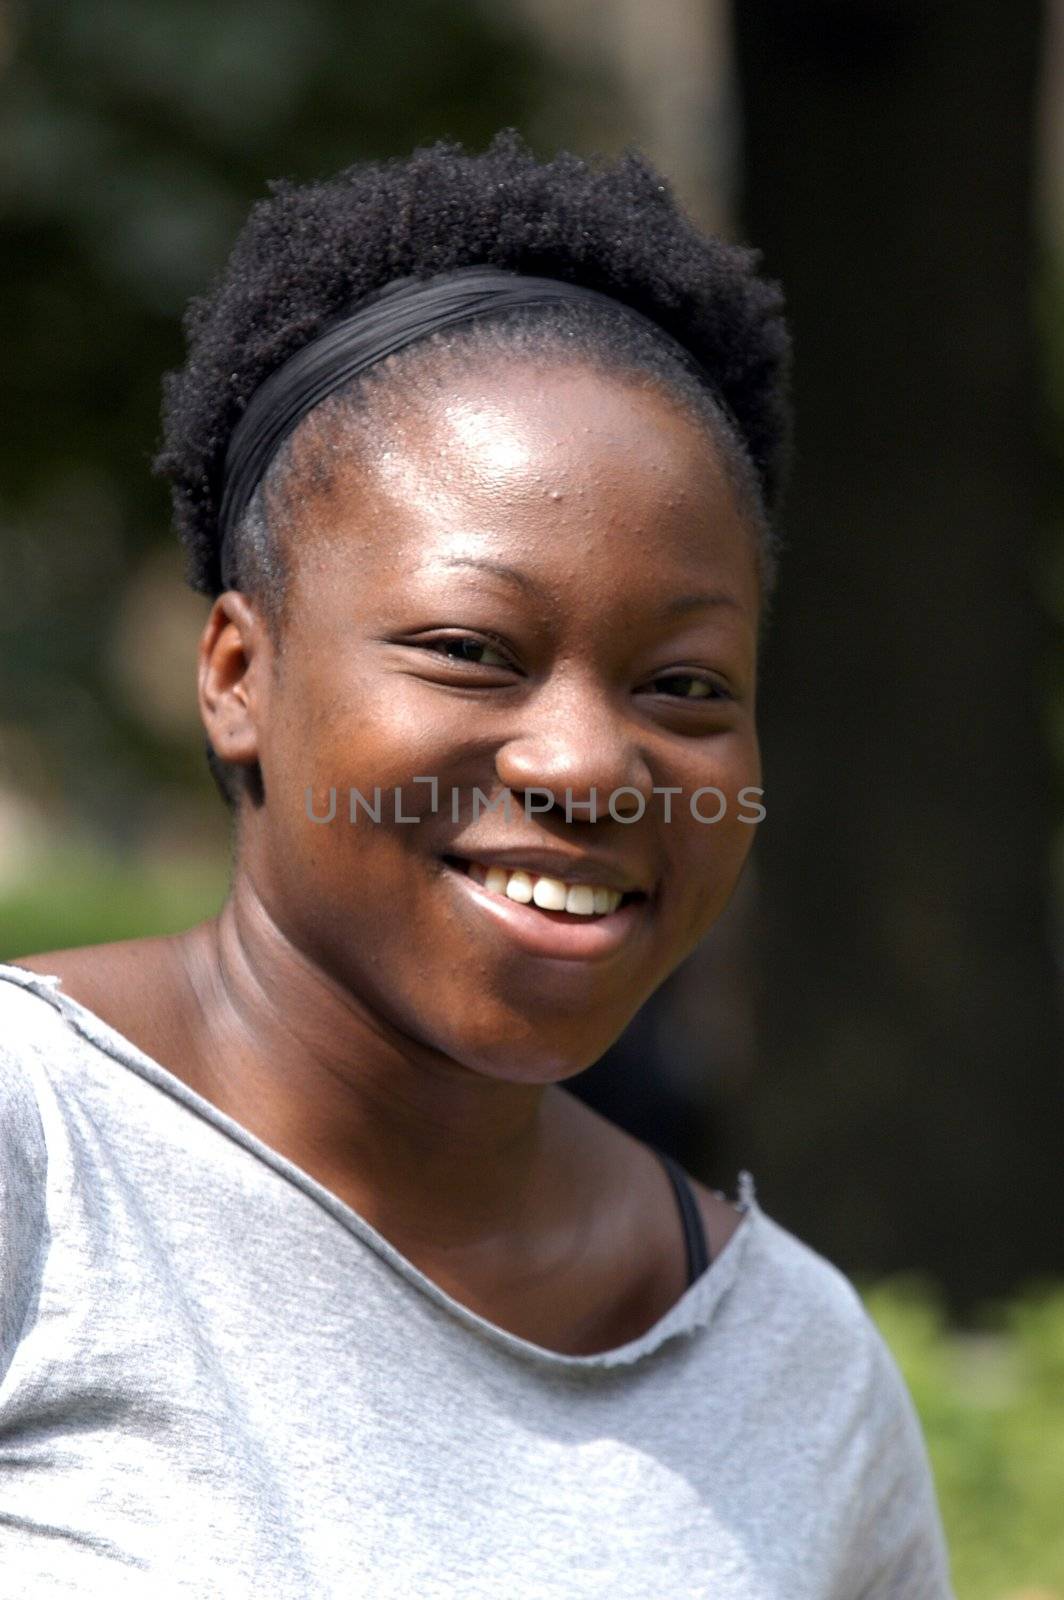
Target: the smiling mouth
(557, 899)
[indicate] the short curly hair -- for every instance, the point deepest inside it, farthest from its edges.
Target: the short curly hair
(309, 252)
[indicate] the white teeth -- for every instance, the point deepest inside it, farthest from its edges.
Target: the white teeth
(580, 900)
(550, 894)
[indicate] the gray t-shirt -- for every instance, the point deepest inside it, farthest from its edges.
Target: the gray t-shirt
(217, 1380)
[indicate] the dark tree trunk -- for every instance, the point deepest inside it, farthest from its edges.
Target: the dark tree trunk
(908, 1105)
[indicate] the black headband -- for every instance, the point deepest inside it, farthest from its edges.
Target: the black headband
(385, 321)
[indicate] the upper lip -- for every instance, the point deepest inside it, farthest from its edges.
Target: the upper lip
(594, 870)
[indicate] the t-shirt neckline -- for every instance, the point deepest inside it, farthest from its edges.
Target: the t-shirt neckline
(692, 1311)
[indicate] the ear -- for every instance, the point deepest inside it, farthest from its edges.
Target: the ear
(233, 677)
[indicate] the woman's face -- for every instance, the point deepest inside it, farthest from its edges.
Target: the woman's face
(536, 580)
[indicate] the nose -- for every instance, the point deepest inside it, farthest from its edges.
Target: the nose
(574, 742)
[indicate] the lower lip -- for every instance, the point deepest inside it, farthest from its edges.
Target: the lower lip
(540, 935)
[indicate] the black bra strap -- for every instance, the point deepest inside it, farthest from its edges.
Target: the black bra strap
(694, 1233)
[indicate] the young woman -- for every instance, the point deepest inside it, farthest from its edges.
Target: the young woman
(315, 1281)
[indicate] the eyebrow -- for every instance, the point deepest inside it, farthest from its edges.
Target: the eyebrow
(700, 601)
(498, 569)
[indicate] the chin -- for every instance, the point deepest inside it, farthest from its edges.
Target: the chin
(532, 1053)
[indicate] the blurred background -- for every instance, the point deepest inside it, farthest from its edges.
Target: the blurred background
(874, 1028)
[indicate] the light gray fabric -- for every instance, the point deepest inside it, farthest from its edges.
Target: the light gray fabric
(217, 1380)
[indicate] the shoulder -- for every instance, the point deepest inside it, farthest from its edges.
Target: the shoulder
(30, 1017)
(720, 1218)
(23, 1154)
(33, 1036)
(805, 1329)
(831, 1373)
(794, 1287)
(95, 975)
(137, 987)
(46, 1040)
(802, 1301)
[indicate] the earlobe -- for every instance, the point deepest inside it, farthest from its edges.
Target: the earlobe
(229, 676)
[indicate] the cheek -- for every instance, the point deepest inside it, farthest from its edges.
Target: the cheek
(707, 841)
(336, 755)
(707, 867)
(723, 765)
(326, 732)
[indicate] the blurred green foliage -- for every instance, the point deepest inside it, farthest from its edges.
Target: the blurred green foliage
(991, 1402)
(76, 895)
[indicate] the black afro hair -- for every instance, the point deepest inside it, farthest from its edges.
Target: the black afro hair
(308, 252)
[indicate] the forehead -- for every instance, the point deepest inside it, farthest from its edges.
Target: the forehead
(536, 461)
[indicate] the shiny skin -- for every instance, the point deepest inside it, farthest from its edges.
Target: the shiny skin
(609, 506)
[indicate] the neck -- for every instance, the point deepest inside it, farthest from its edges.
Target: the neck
(449, 1162)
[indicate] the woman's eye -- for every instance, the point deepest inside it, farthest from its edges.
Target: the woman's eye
(688, 686)
(477, 651)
